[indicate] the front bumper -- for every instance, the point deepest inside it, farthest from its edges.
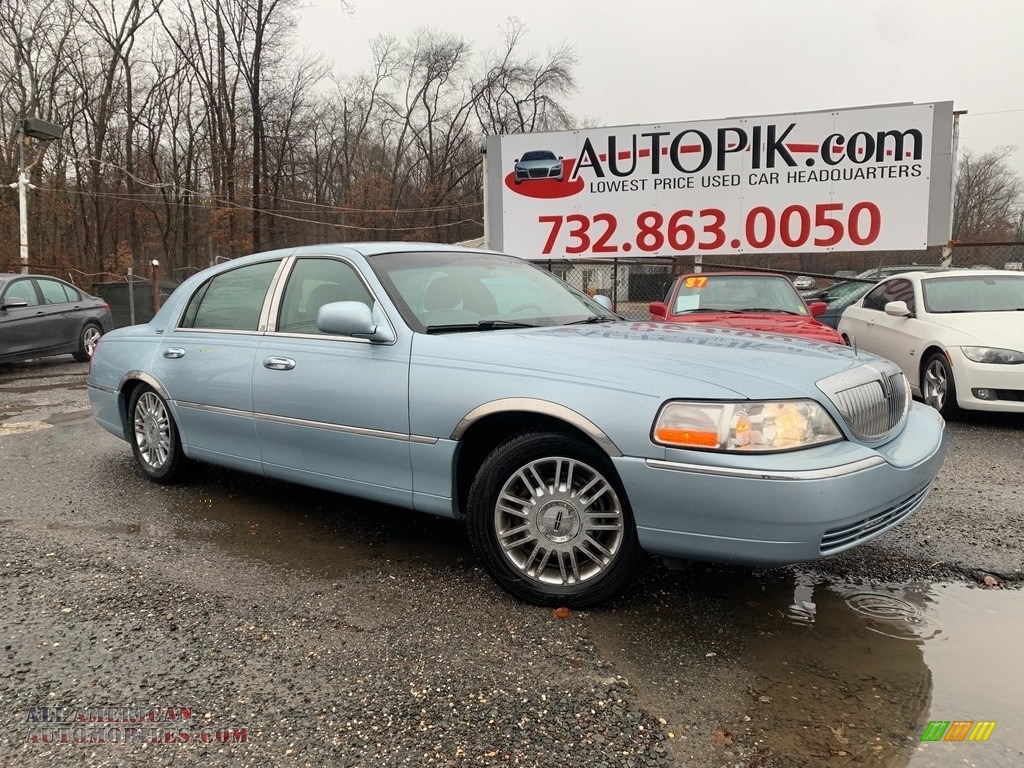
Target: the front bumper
(771, 515)
(1006, 381)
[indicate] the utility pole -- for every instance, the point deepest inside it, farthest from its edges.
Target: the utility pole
(30, 128)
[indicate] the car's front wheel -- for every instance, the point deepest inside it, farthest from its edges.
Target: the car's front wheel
(154, 436)
(937, 386)
(87, 341)
(550, 521)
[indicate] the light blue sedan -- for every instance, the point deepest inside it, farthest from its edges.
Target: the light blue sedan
(473, 385)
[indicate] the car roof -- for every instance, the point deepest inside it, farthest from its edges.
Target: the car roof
(367, 250)
(969, 272)
(6, 277)
(735, 273)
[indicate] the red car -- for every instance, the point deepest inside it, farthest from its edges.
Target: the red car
(754, 301)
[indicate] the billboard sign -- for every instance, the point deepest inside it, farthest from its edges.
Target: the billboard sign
(867, 178)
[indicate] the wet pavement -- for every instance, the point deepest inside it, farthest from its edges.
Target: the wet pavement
(842, 663)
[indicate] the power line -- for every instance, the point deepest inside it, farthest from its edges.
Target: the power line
(280, 215)
(312, 205)
(996, 112)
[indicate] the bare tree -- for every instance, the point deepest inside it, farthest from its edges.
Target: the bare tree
(169, 104)
(519, 93)
(989, 200)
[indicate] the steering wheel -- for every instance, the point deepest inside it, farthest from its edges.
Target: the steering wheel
(524, 307)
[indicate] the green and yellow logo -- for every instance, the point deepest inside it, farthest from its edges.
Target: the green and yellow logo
(958, 730)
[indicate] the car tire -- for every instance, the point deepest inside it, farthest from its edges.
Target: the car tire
(87, 341)
(154, 437)
(550, 522)
(937, 386)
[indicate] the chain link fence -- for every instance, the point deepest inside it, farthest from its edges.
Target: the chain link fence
(633, 283)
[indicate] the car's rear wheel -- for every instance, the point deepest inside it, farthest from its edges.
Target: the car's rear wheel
(551, 523)
(937, 386)
(87, 341)
(154, 436)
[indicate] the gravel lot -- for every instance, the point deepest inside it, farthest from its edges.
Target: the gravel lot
(338, 633)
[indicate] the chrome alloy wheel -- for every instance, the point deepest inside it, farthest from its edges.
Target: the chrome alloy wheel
(559, 521)
(90, 338)
(152, 430)
(936, 383)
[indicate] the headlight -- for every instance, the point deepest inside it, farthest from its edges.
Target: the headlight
(993, 355)
(745, 426)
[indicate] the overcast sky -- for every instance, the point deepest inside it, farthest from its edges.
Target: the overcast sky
(649, 61)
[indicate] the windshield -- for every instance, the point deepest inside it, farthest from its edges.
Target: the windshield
(842, 291)
(737, 293)
(974, 293)
(470, 291)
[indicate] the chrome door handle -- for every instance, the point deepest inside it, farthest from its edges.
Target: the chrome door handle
(279, 363)
(173, 353)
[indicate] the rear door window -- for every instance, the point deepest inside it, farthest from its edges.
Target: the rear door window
(231, 300)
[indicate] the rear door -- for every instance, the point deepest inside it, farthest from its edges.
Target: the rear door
(205, 364)
(62, 307)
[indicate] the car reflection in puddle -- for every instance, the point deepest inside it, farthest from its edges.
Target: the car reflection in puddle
(826, 673)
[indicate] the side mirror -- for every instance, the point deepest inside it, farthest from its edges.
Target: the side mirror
(13, 304)
(658, 310)
(353, 318)
(817, 308)
(898, 309)
(603, 300)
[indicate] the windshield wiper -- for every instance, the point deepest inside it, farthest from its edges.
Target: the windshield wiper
(483, 325)
(768, 309)
(594, 319)
(488, 324)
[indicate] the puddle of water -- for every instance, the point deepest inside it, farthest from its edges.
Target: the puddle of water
(834, 673)
(69, 417)
(115, 529)
(326, 535)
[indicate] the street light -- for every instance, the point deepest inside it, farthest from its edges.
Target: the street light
(44, 132)
(155, 264)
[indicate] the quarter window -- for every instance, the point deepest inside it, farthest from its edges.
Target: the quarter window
(232, 300)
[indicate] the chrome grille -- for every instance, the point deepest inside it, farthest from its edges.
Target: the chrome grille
(873, 399)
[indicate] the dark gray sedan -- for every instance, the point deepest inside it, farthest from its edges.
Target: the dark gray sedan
(42, 316)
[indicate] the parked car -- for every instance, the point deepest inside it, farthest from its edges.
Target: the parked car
(958, 335)
(837, 298)
(805, 283)
(538, 164)
(881, 272)
(42, 316)
(473, 385)
(755, 301)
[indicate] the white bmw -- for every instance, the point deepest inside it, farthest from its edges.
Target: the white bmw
(957, 334)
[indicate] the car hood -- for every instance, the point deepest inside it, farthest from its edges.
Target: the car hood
(649, 358)
(990, 329)
(792, 325)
